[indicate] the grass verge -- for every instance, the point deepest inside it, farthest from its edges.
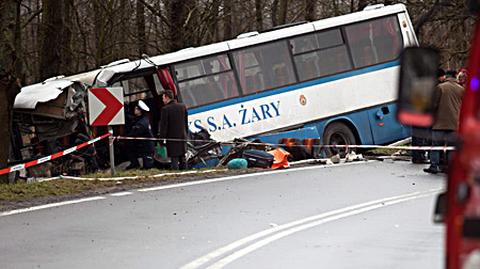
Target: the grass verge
(26, 191)
(21, 194)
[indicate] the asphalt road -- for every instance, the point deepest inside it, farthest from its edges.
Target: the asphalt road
(365, 215)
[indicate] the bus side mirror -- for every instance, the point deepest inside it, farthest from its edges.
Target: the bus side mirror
(418, 79)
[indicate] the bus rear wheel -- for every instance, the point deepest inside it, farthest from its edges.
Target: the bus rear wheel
(338, 134)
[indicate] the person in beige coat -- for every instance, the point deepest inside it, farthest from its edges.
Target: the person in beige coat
(447, 102)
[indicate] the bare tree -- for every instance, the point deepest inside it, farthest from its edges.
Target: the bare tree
(142, 42)
(181, 15)
(53, 38)
(104, 31)
(259, 14)
(228, 19)
(310, 10)
(10, 70)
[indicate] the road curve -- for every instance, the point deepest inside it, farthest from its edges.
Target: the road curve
(371, 214)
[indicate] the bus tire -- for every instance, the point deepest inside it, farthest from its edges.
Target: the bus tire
(338, 133)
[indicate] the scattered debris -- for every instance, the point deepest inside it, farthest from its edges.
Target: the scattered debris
(237, 163)
(335, 159)
(353, 157)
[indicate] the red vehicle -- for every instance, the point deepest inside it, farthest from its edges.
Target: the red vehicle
(459, 207)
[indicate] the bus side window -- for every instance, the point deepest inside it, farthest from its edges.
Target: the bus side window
(256, 67)
(329, 57)
(373, 42)
(208, 92)
(307, 66)
(187, 93)
(204, 81)
(280, 74)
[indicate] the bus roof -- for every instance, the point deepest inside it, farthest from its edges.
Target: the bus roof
(103, 75)
(254, 39)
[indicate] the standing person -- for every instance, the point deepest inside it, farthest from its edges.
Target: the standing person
(423, 136)
(173, 128)
(447, 101)
(140, 128)
(462, 77)
(441, 75)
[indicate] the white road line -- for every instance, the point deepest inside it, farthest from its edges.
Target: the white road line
(33, 208)
(118, 194)
(296, 226)
(213, 180)
(29, 209)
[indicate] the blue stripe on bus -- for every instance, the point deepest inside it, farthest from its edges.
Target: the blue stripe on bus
(292, 88)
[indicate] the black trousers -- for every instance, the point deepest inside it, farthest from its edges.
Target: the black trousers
(135, 152)
(420, 137)
(178, 163)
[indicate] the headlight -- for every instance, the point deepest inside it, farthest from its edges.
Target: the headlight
(472, 261)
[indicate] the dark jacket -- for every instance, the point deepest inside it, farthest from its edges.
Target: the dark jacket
(174, 124)
(447, 102)
(141, 128)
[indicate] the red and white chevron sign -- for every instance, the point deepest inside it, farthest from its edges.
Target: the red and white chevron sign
(105, 106)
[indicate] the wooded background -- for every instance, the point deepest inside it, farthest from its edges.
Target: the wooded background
(70, 36)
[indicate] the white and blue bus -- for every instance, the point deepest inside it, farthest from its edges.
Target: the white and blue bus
(333, 79)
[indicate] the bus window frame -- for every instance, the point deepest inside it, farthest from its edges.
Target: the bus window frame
(200, 59)
(315, 33)
(319, 49)
(233, 65)
(402, 40)
(289, 51)
(232, 70)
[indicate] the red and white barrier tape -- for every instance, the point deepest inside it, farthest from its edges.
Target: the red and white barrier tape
(427, 148)
(51, 157)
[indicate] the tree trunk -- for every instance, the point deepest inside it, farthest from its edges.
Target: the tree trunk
(10, 69)
(259, 14)
(282, 12)
(279, 12)
(274, 13)
(51, 57)
(228, 19)
(362, 4)
(310, 8)
(123, 15)
(213, 23)
(99, 32)
(67, 51)
(180, 14)
(141, 41)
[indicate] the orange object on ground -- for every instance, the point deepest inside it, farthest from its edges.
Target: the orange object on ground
(280, 158)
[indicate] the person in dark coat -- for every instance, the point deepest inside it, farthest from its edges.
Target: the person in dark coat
(173, 128)
(447, 101)
(140, 148)
(423, 136)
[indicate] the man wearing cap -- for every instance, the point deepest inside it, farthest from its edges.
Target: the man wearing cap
(140, 148)
(173, 128)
